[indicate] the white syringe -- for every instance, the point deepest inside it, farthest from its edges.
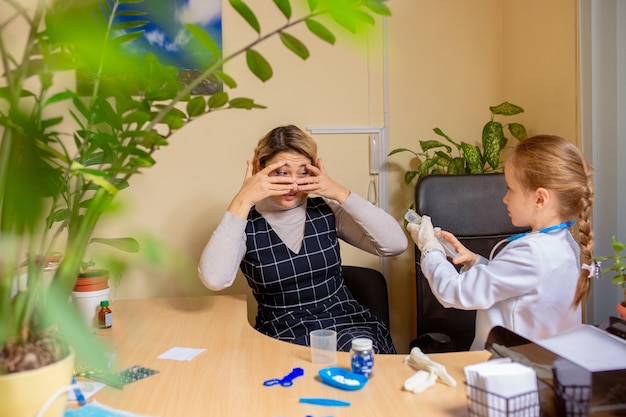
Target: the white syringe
(412, 217)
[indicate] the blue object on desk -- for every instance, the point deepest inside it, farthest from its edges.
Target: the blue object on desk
(78, 393)
(287, 380)
(96, 409)
(325, 401)
(342, 378)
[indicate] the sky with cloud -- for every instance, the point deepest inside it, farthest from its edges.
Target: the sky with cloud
(166, 35)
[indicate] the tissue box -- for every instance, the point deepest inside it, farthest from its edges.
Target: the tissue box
(502, 388)
(585, 369)
(482, 403)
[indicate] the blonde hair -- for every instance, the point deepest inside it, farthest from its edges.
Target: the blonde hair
(283, 139)
(556, 164)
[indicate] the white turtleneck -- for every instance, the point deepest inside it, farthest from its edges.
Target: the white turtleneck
(358, 222)
(288, 223)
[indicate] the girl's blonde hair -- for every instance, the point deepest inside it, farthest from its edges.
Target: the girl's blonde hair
(556, 164)
(283, 139)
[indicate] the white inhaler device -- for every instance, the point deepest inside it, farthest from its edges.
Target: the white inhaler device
(412, 217)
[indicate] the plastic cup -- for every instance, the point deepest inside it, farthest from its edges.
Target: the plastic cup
(323, 346)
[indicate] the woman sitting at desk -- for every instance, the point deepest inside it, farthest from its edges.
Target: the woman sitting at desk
(287, 248)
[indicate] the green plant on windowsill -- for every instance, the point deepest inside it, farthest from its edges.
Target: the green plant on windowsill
(618, 267)
(437, 157)
(65, 153)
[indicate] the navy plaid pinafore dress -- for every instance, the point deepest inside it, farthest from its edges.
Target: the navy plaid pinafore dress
(300, 292)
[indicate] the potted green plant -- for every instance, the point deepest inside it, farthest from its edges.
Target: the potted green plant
(451, 157)
(66, 153)
(618, 269)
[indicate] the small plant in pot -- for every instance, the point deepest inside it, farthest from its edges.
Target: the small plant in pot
(92, 284)
(618, 269)
(451, 157)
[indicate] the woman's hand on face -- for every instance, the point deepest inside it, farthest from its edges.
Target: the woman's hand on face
(318, 182)
(465, 256)
(259, 186)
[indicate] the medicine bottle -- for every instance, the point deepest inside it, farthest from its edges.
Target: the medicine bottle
(362, 357)
(105, 316)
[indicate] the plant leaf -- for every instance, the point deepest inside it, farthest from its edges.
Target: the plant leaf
(258, 65)
(491, 138)
(57, 216)
(127, 244)
(241, 103)
(431, 144)
(226, 79)
(80, 106)
(105, 5)
(46, 123)
(244, 103)
(294, 45)
(130, 24)
(398, 150)
(63, 95)
(364, 17)
(456, 166)
(409, 175)
(518, 131)
(425, 166)
(218, 100)
(127, 37)
(320, 31)
(506, 109)
(378, 7)
(471, 154)
(344, 20)
(94, 176)
(284, 6)
(439, 132)
(128, 12)
(196, 106)
(248, 15)
(204, 38)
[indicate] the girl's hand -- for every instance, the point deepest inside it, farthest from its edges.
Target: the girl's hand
(466, 256)
(259, 186)
(318, 182)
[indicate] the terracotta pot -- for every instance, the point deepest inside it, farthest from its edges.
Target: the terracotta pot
(92, 280)
(621, 309)
(24, 393)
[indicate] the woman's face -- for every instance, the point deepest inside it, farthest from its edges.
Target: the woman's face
(294, 167)
(520, 202)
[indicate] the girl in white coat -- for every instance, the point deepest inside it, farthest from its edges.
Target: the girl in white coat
(535, 285)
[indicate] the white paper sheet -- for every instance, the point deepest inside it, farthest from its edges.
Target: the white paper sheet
(180, 353)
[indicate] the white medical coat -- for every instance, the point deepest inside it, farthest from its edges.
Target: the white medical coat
(528, 287)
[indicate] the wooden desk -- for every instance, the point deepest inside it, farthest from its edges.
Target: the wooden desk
(227, 379)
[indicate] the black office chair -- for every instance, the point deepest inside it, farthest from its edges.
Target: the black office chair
(369, 288)
(469, 206)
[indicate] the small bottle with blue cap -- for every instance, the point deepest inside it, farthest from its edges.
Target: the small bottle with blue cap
(362, 355)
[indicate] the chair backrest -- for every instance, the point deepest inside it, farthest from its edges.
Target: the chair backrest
(471, 207)
(369, 288)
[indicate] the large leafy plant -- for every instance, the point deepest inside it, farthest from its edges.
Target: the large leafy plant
(65, 154)
(451, 157)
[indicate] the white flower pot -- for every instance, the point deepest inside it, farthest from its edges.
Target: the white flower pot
(88, 304)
